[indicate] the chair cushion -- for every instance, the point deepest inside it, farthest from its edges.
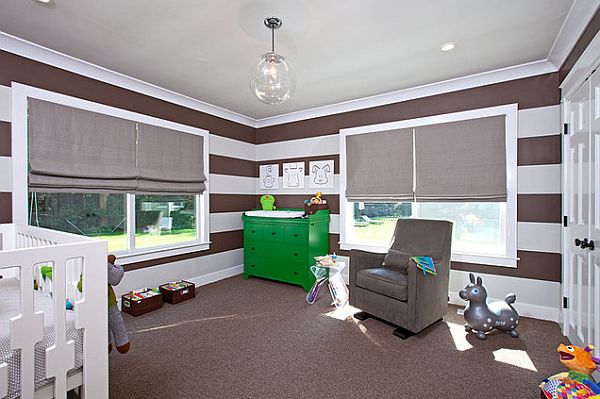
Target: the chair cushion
(388, 282)
(396, 260)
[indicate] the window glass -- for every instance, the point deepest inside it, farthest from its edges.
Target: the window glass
(479, 228)
(101, 216)
(164, 219)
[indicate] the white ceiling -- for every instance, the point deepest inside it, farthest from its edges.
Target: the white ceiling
(337, 50)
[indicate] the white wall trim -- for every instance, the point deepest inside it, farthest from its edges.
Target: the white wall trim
(584, 66)
(462, 83)
(576, 21)
(48, 56)
(216, 276)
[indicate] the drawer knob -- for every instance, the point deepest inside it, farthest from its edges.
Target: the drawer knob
(252, 248)
(296, 235)
(252, 231)
(295, 273)
(295, 253)
(251, 265)
(273, 233)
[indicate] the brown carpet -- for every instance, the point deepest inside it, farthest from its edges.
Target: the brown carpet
(260, 339)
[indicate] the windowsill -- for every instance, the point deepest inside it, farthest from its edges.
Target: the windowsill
(140, 255)
(503, 261)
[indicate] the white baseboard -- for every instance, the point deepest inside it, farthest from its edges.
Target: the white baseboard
(524, 309)
(216, 276)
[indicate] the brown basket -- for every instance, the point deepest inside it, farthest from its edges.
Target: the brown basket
(140, 306)
(311, 209)
(179, 295)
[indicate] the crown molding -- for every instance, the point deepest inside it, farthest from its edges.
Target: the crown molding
(51, 57)
(577, 19)
(24, 48)
(462, 83)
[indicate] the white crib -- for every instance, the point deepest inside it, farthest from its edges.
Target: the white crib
(41, 342)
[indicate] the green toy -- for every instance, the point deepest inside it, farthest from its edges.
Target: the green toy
(267, 202)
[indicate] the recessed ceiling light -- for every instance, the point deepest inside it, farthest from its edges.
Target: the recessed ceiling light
(447, 46)
(45, 2)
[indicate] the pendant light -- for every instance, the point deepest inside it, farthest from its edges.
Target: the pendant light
(271, 83)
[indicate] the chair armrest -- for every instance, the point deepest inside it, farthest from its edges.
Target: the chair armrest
(360, 260)
(428, 294)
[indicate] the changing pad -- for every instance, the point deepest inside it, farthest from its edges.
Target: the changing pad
(275, 214)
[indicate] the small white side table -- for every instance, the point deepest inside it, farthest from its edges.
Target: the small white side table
(337, 287)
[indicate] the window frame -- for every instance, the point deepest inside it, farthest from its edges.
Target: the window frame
(20, 187)
(510, 112)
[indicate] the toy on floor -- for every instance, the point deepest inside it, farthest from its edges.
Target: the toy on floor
(578, 383)
(116, 325)
(482, 318)
(267, 202)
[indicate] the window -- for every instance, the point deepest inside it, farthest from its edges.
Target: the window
(478, 227)
(459, 167)
(104, 172)
(160, 220)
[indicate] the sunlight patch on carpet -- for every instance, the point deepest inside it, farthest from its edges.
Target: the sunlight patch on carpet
(514, 357)
(182, 323)
(342, 313)
(459, 336)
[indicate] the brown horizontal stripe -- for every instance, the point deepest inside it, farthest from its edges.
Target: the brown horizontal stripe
(232, 202)
(582, 43)
(297, 201)
(5, 141)
(536, 91)
(539, 150)
(23, 70)
(5, 207)
(232, 166)
(220, 242)
(534, 265)
(306, 160)
(541, 208)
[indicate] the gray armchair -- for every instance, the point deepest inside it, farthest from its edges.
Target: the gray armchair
(398, 292)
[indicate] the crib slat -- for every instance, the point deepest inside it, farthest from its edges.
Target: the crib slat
(60, 357)
(3, 380)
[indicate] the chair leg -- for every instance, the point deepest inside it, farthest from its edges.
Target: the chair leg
(361, 316)
(403, 333)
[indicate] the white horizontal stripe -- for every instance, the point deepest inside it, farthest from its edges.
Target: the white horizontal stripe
(309, 147)
(232, 148)
(306, 190)
(539, 237)
(542, 121)
(5, 104)
(5, 174)
(535, 298)
(191, 269)
(228, 184)
(539, 179)
(225, 221)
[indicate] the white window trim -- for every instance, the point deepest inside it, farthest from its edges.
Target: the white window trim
(20, 95)
(511, 113)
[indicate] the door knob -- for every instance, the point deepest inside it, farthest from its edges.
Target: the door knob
(577, 242)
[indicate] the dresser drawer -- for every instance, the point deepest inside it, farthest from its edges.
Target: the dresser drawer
(273, 233)
(253, 233)
(296, 235)
(295, 255)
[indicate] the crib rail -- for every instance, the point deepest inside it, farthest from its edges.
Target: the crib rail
(25, 247)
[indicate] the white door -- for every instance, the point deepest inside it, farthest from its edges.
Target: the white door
(583, 150)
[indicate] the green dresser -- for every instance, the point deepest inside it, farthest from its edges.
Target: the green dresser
(283, 248)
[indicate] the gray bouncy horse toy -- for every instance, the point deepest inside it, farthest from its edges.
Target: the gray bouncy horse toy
(482, 318)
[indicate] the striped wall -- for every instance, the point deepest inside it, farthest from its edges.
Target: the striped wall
(232, 156)
(538, 168)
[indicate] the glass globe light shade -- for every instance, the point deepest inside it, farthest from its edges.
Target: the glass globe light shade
(272, 83)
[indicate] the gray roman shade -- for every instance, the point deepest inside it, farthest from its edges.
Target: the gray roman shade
(461, 161)
(379, 166)
(169, 161)
(79, 151)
